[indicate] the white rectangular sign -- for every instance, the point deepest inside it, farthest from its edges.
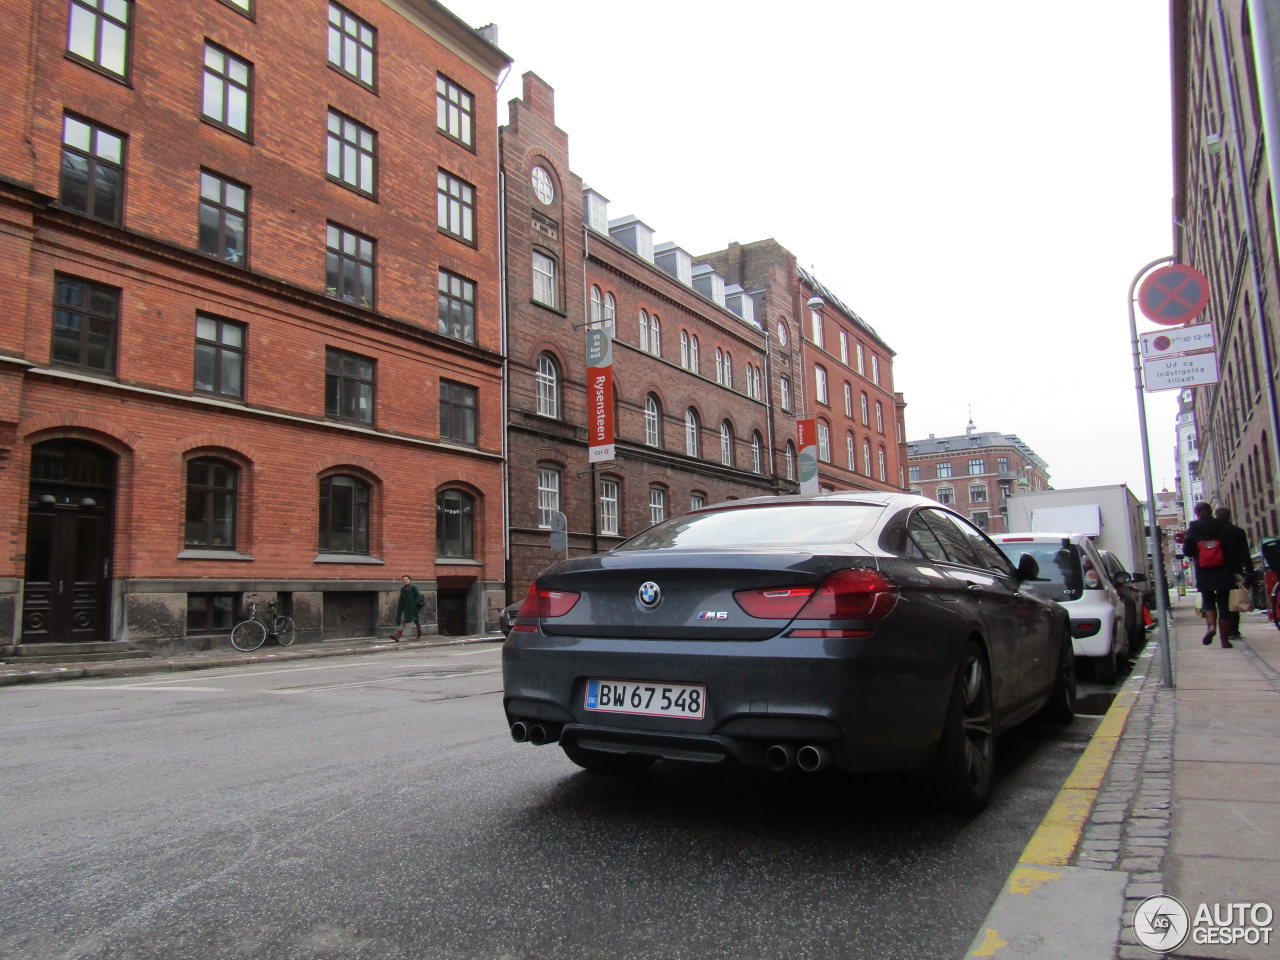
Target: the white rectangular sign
(1167, 343)
(1174, 373)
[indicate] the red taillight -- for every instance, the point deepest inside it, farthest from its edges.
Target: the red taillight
(782, 603)
(843, 595)
(540, 602)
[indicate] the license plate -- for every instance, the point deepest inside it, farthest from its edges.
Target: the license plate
(647, 698)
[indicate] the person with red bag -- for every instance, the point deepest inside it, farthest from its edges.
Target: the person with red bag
(1214, 547)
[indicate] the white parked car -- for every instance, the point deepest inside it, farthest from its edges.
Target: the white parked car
(1073, 573)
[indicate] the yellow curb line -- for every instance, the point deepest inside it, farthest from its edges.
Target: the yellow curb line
(1055, 840)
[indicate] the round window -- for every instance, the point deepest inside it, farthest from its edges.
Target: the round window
(782, 333)
(542, 187)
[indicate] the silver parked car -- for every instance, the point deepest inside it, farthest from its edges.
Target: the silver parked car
(861, 631)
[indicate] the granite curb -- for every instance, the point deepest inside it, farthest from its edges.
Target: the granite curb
(13, 674)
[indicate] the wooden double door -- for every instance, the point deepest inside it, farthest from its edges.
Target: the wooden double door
(67, 591)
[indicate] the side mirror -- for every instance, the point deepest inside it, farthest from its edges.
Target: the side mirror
(1137, 578)
(1121, 578)
(1028, 567)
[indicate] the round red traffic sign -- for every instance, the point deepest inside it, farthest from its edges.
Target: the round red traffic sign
(1173, 295)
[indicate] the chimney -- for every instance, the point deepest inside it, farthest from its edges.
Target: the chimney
(634, 234)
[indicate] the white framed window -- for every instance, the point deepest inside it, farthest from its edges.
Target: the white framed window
(844, 348)
(784, 393)
(694, 364)
(880, 462)
(728, 369)
(719, 365)
(879, 416)
(611, 313)
(866, 457)
(644, 330)
(610, 495)
(862, 366)
(943, 470)
(548, 379)
(548, 494)
(657, 504)
(848, 399)
(978, 493)
(820, 384)
(824, 442)
(691, 441)
(946, 495)
(697, 501)
(684, 349)
(655, 336)
(864, 409)
(544, 279)
(652, 422)
(977, 467)
(875, 369)
(726, 444)
(757, 446)
(850, 457)
(815, 319)
(789, 461)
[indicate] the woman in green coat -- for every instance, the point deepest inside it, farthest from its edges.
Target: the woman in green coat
(409, 608)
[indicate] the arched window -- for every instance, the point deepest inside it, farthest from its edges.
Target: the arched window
(692, 443)
(824, 441)
(597, 305)
(655, 336)
(789, 461)
(866, 417)
(757, 445)
(848, 399)
(784, 393)
(728, 369)
(611, 314)
(726, 443)
(344, 515)
(684, 349)
(880, 460)
(866, 457)
(719, 365)
(211, 503)
(879, 417)
(644, 330)
(652, 421)
(548, 377)
(455, 524)
(820, 384)
(693, 353)
(850, 457)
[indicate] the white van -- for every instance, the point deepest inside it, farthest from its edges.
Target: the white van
(1072, 572)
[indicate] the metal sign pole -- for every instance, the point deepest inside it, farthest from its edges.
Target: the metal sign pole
(1157, 549)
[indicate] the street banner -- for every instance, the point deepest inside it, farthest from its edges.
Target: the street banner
(600, 426)
(808, 444)
(1174, 373)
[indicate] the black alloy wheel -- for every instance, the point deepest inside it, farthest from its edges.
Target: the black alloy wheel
(966, 753)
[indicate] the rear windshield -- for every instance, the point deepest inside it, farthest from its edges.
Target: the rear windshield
(1061, 577)
(773, 525)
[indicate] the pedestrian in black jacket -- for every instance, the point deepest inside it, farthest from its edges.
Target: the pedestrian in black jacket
(1240, 559)
(1216, 568)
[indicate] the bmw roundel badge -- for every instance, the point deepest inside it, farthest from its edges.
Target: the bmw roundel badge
(650, 594)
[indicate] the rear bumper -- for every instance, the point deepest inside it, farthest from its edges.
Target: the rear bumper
(875, 703)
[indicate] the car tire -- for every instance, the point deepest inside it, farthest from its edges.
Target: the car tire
(966, 753)
(607, 763)
(1104, 668)
(1061, 705)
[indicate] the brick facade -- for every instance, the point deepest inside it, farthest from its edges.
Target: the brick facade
(142, 417)
(975, 473)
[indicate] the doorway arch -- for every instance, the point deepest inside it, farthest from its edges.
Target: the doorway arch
(66, 595)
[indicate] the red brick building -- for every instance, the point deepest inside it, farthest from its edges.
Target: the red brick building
(975, 472)
(692, 414)
(252, 342)
(828, 363)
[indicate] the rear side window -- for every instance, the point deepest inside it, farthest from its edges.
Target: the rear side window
(787, 525)
(1061, 576)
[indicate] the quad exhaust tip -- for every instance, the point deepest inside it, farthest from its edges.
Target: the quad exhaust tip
(519, 731)
(779, 757)
(812, 757)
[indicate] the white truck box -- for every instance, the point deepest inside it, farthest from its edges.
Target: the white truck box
(1111, 514)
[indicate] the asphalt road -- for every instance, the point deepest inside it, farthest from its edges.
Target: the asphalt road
(375, 807)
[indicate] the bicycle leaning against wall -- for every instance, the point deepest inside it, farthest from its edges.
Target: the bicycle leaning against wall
(252, 633)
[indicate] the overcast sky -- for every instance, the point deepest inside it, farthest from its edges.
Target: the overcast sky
(980, 181)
